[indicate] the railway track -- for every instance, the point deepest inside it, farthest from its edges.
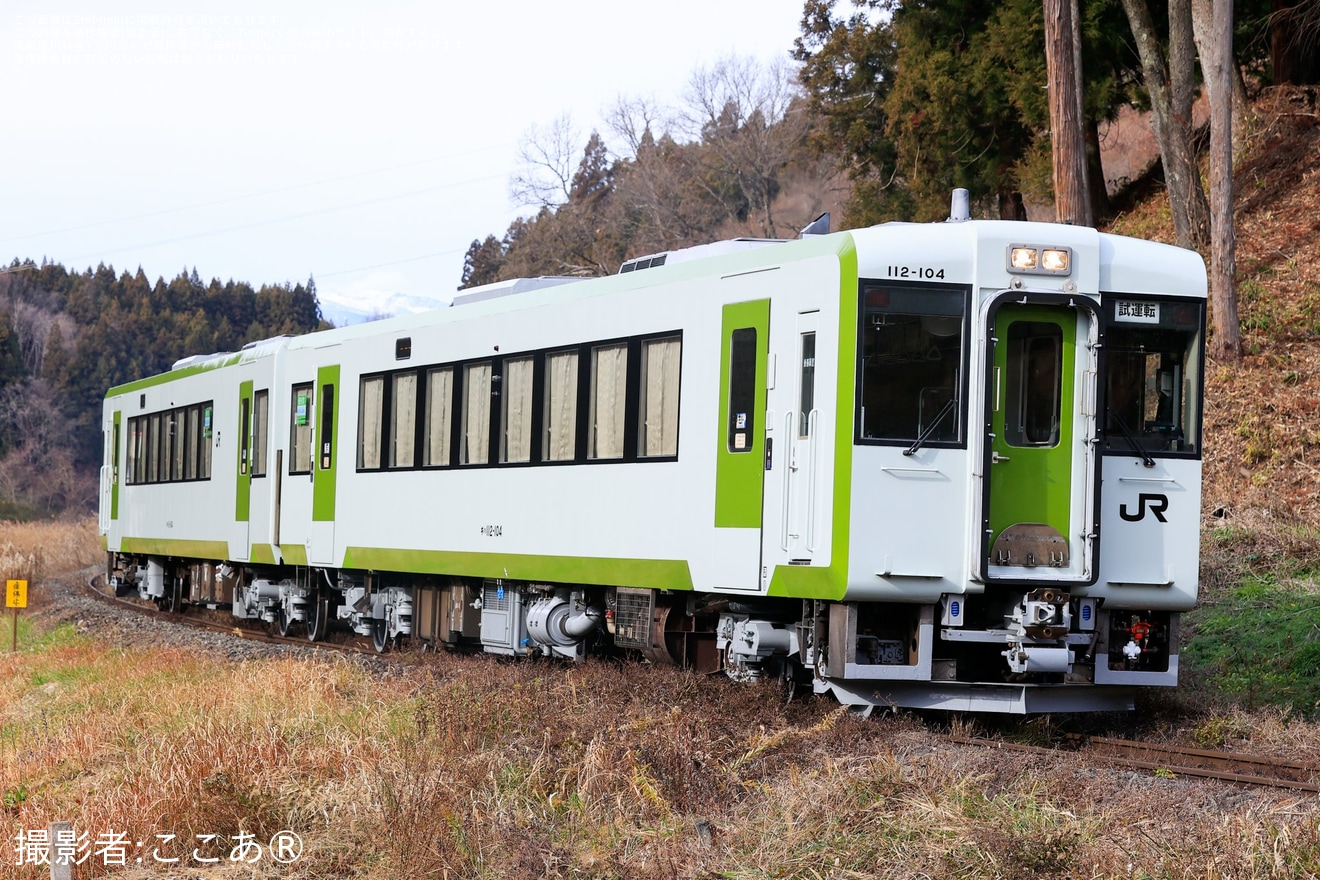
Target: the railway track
(1175, 760)
(233, 627)
(1159, 759)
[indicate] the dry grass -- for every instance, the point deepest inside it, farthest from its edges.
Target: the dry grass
(34, 550)
(478, 768)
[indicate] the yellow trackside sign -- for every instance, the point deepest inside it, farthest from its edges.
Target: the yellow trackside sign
(15, 594)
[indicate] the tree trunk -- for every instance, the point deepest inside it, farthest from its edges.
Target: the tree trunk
(1072, 202)
(1203, 30)
(1170, 101)
(1095, 173)
(1217, 66)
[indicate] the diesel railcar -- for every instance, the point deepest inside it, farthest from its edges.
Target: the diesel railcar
(951, 465)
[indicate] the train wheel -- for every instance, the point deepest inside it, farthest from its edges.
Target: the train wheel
(284, 621)
(318, 613)
(169, 602)
(380, 635)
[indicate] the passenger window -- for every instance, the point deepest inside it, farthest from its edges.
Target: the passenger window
(153, 448)
(300, 430)
(327, 426)
(1035, 383)
(193, 420)
(609, 380)
(403, 420)
(658, 433)
(204, 467)
(561, 393)
(370, 407)
(134, 448)
(439, 416)
(911, 355)
(516, 415)
(1153, 391)
(260, 431)
(742, 389)
(807, 386)
(476, 414)
(244, 435)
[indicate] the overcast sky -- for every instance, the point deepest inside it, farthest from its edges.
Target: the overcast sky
(269, 141)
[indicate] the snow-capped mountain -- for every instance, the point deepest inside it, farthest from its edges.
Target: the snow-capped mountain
(344, 308)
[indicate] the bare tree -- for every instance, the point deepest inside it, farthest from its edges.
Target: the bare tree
(636, 121)
(1171, 87)
(741, 111)
(548, 157)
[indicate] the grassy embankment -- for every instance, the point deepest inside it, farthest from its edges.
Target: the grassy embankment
(472, 767)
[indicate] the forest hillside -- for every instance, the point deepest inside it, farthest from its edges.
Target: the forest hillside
(1262, 416)
(67, 336)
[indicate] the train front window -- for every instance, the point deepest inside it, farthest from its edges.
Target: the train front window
(1153, 386)
(911, 351)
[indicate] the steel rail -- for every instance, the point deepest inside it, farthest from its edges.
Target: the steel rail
(232, 629)
(1174, 759)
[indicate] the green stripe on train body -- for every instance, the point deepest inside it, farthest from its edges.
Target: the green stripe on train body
(661, 574)
(179, 547)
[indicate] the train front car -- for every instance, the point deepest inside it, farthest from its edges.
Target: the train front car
(1025, 475)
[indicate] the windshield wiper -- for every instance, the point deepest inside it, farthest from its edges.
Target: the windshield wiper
(1131, 438)
(930, 429)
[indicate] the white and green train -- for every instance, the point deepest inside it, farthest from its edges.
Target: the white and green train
(952, 465)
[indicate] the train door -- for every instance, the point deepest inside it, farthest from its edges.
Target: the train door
(1039, 508)
(109, 507)
(745, 445)
(239, 536)
(801, 428)
(320, 547)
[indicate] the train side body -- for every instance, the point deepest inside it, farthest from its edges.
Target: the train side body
(887, 462)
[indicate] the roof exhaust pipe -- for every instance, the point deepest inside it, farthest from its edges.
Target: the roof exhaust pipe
(960, 210)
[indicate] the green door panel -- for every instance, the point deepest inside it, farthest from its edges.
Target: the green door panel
(243, 467)
(325, 458)
(740, 449)
(1032, 425)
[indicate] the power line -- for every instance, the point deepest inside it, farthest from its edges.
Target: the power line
(259, 194)
(289, 217)
(390, 263)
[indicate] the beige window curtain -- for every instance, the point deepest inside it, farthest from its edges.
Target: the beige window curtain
(609, 373)
(439, 418)
(300, 452)
(176, 444)
(660, 361)
(561, 406)
(134, 448)
(403, 420)
(204, 468)
(476, 414)
(195, 442)
(260, 432)
(153, 447)
(516, 394)
(369, 416)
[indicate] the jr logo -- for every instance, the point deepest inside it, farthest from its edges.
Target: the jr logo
(1158, 504)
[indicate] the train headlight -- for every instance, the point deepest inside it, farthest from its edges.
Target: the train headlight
(1055, 260)
(1024, 259)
